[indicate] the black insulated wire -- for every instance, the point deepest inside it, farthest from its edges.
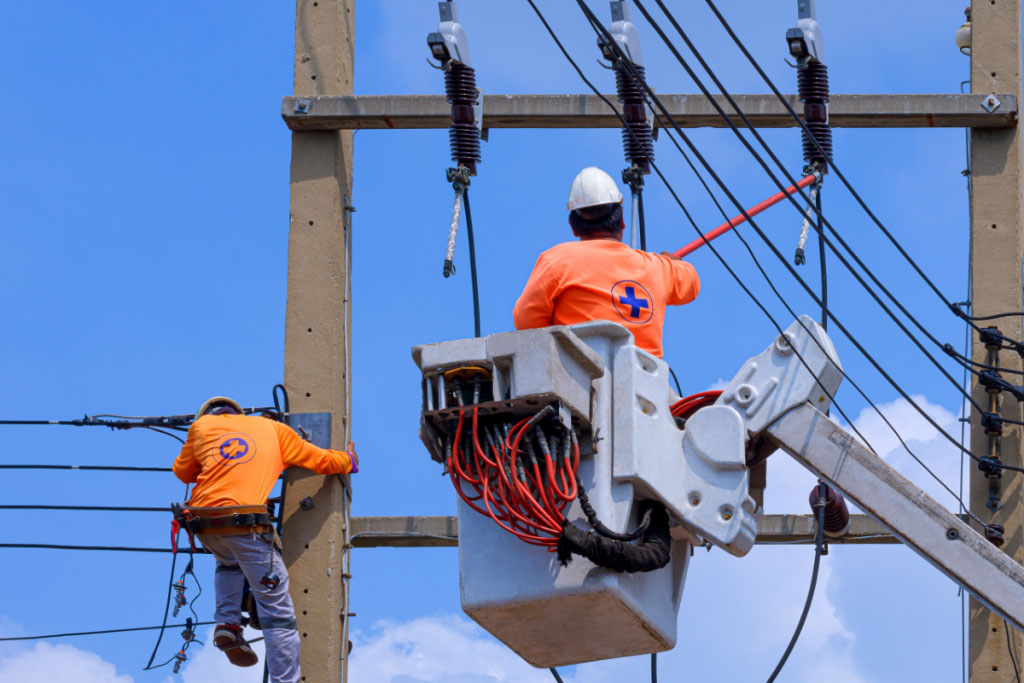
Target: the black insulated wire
(595, 26)
(819, 544)
(754, 299)
(472, 263)
(95, 468)
(839, 174)
(133, 629)
(554, 672)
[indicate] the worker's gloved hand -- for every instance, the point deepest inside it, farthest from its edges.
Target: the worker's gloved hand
(671, 255)
(351, 450)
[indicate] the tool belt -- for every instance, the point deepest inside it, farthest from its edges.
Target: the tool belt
(230, 520)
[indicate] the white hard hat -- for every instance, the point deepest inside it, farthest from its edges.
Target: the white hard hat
(593, 187)
(211, 402)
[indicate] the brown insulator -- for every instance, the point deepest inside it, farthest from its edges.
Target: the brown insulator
(812, 85)
(837, 515)
(637, 139)
(463, 135)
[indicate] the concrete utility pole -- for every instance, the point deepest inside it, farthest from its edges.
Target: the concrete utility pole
(996, 242)
(317, 336)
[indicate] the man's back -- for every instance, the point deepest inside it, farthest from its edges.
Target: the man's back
(601, 279)
(236, 459)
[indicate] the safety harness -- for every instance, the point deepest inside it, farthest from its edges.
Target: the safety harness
(229, 520)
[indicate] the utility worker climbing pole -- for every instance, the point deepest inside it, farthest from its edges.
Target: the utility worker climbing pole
(235, 460)
(599, 277)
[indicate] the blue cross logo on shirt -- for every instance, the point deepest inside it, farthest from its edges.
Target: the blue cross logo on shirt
(236, 449)
(632, 301)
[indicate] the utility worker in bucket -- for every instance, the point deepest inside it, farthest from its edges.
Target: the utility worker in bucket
(599, 277)
(235, 460)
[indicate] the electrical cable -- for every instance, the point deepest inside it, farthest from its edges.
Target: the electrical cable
(167, 609)
(718, 256)
(824, 272)
(1012, 649)
(679, 388)
(654, 667)
(95, 468)
(819, 540)
(764, 76)
(472, 263)
(791, 179)
(554, 672)
(103, 632)
(84, 508)
(112, 548)
(640, 219)
(601, 31)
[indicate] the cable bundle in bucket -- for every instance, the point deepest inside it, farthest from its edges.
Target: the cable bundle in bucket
(685, 407)
(522, 475)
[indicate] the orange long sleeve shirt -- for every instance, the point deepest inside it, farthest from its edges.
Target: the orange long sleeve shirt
(577, 282)
(236, 459)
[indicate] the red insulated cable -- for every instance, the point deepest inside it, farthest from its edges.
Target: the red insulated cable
(756, 209)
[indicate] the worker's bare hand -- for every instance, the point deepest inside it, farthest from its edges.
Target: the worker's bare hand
(671, 255)
(355, 456)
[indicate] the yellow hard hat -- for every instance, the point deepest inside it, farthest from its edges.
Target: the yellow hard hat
(210, 402)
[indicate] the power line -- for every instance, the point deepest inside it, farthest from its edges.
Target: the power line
(819, 542)
(651, 97)
(103, 632)
(789, 177)
(112, 548)
(95, 468)
(601, 31)
(86, 508)
(838, 172)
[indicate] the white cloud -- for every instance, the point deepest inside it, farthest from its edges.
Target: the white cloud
(46, 663)
(941, 456)
(448, 648)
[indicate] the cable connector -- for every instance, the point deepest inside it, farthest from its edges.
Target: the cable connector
(179, 596)
(992, 423)
(995, 384)
(994, 533)
(990, 467)
(179, 659)
(188, 634)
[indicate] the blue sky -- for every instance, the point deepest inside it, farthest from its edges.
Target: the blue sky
(145, 207)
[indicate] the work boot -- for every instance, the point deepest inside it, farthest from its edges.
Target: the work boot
(228, 638)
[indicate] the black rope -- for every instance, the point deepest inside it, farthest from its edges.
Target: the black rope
(601, 31)
(720, 258)
(112, 548)
(85, 508)
(554, 672)
(472, 263)
(819, 538)
(103, 632)
(95, 468)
